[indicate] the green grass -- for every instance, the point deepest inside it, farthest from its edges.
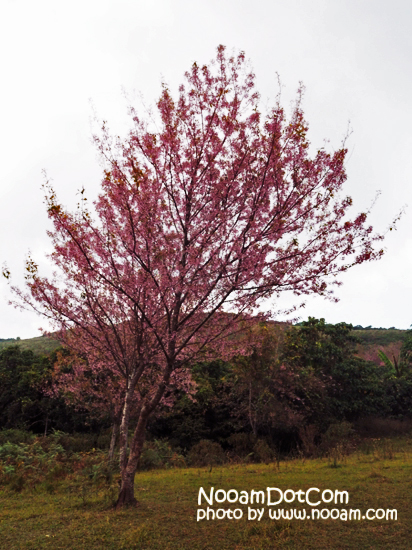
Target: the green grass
(378, 475)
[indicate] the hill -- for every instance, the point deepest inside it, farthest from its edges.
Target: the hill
(380, 336)
(39, 344)
(370, 339)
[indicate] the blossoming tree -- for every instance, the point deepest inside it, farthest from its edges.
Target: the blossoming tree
(201, 216)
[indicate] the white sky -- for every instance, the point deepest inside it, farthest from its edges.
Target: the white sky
(354, 57)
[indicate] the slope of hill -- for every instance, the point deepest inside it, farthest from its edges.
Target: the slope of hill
(39, 344)
(374, 340)
(380, 337)
(370, 339)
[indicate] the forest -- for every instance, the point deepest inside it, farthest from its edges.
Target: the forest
(300, 384)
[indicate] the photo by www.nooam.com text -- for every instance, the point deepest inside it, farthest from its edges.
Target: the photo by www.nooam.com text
(272, 497)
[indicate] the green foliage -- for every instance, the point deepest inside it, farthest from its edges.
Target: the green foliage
(398, 392)
(406, 353)
(262, 392)
(44, 463)
(358, 390)
(242, 445)
(159, 454)
(36, 461)
(297, 382)
(208, 416)
(16, 436)
(246, 447)
(338, 433)
(25, 398)
(21, 375)
(206, 453)
(318, 346)
(81, 442)
(262, 452)
(352, 387)
(399, 364)
(391, 365)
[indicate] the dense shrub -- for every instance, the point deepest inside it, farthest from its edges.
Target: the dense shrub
(262, 452)
(206, 453)
(76, 443)
(16, 436)
(382, 427)
(338, 435)
(242, 445)
(298, 382)
(159, 454)
(309, 439)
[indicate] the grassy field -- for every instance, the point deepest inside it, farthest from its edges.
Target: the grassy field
(378, 475)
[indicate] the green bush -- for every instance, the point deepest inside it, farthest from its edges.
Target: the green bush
(75, 443)
(21, 463)
(242, 445)
(159, 454)
(262, 452)
(246, 447)
(337, 435)
(150, 458)
(16, 483)
(206, 453)
(103, 440)
(16, 436)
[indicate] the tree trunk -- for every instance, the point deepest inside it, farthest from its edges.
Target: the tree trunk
(128, 465)
(115, 432)
(252, 419)
(126, 495)
(124, 424)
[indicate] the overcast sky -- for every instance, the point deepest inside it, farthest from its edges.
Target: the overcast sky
(354, 57)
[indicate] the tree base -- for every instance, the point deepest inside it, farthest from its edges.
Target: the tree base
(126, 499)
